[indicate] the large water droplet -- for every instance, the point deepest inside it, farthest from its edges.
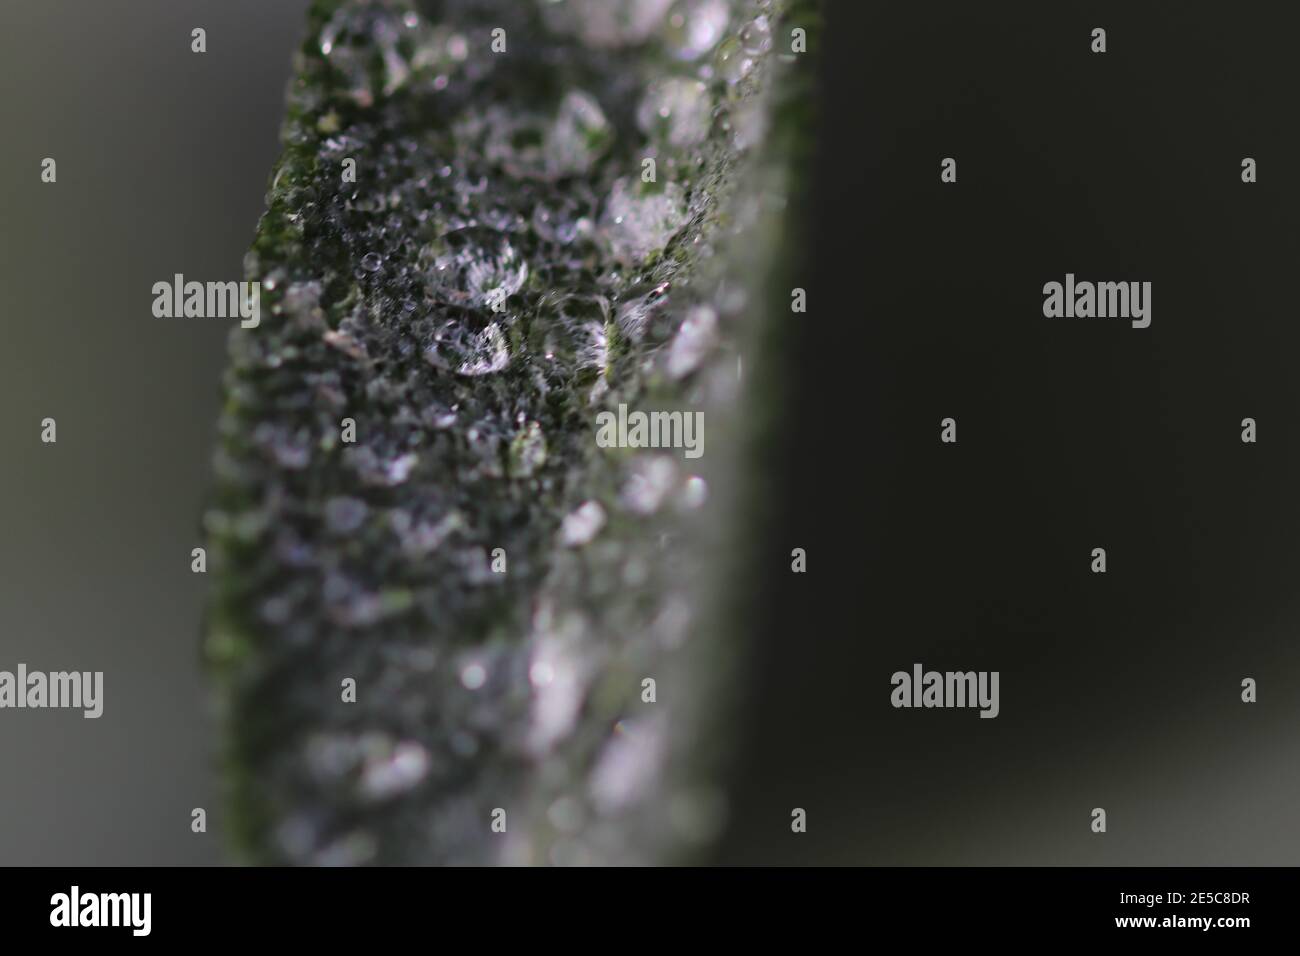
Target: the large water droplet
(677, 111)
(476, 267)
(488, 353)
(636, 224)
(756, 36)
(695, 26)
(733, 63)
(579, 136)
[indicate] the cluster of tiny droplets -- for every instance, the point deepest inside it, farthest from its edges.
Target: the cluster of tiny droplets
(499, 271)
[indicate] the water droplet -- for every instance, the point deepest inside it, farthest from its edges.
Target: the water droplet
(635, 225)
(582, 525)
(692, 343)
(397, 470)
(677, 111)
(473, 676)
(350, 40)
(353, 849)
(289, 449)
(488, 353)
(423, 537)
(561, 667)
(733, 63)
(756, 36)
(472, 266)
(566, 815)
(438, 416)
(748, 124)
(651, 480)
(351, 606)
(514, 139)
(344, 515)
(396, 772)
(345, 343)
(696, 492)
(541, 673)
(632, 317)
(695, 27)
(372, 262)
(558, 225)
(528, 451)
(578, 137)
(627, 766)
(594, 350)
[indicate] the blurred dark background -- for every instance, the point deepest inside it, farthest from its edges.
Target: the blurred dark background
(163, 157)
(1119, 690)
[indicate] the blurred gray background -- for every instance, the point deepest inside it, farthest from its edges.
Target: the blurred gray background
(163, 157)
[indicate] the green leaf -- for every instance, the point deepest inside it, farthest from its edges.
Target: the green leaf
(494, 279)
